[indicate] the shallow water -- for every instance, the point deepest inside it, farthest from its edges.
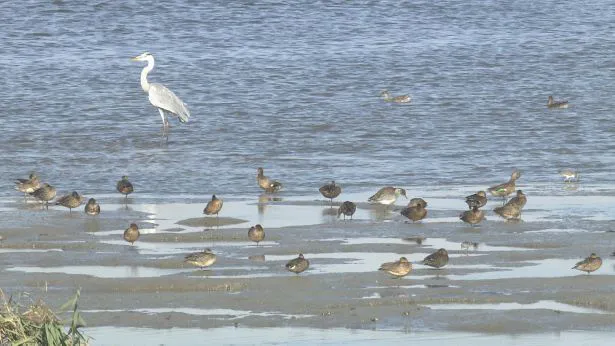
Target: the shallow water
(543, 304)
(104, 271)
(222, 314)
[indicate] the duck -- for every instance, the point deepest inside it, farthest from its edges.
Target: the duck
(473, 216)
(556, 104)
(124, 186)
(214, 206)
(590, 264)
(330, 191)
(270, 186)
(478, 200)
(131, 234)
(45, 193)
(298, 265)
(512, 209)
(70, 201)
(398, 268)
(396, 99)
(256, 233)
(28, 185)
(415, 210)
(505, 189)
(347, 209)
(570, 175)
(519, 200)
(92, 207)
(437, 259)
(387, 195)
(201, 259)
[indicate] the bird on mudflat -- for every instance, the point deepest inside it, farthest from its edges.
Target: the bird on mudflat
(45, 193)
(415, 210)
(437, 259)
(330, 191)
(466, 245)
(512, 209)
(256, 233)
(570, 175)
(473, 216)
(131, 234)
(478, 200)
(398, 268)
(551, 103)
(590, 264)
(160, 96)
(505, 189)
(396, 99)
(387, 195)
(28, 185)
(269, 185)
(92, 207)
(298, 265)
(70, 201)
(347, 209)
(124, 186)
(214, 206)
(201, 259)
(519, 200)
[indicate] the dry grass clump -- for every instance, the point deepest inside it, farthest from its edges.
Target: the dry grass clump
(38, 324)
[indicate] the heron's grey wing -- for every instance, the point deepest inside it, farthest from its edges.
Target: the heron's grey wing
(161, 97)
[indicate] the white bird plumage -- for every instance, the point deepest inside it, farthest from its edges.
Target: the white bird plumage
(160, 96)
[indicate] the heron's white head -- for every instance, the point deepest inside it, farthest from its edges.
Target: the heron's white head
(142, 57)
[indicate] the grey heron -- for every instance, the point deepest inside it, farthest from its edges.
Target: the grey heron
(160, 96)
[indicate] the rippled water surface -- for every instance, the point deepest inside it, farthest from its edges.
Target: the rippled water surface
(294, 88)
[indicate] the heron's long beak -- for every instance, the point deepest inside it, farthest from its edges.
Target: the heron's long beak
(136, 58)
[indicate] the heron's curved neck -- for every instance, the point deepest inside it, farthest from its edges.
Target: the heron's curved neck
(145, 71)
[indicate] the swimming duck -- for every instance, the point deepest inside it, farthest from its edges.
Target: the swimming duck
(297, 265)
(256, 233)
(570, 175)
(398, 268)
(330, 191)
(397, 99)
(124, 186)
(505, 189)
(92, 207)
(387, 195)
(131, 234)
(70, 201)
(201, 259)
(437, 259)
(556, 104)
(214, 206)
(473, 216)
(478, 200)
(270, 186)
(415, 210)
(590, 264)
(28, 185)
(347, 209)
(45, 193)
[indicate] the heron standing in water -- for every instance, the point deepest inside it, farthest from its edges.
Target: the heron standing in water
(160, 96)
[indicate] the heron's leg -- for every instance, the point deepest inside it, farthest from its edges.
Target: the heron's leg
(164, 121)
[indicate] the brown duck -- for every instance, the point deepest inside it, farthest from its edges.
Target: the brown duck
(473, 216)
(92, 207)
(415, 210)
(551, 103)
(70, 201)
(590, 264)
(505, 189)
(214, 206)
(131, 234)
(398, 268)
(269, 185)
(45, 193)
(256, 233)
(478, 200)
(347, 209)
(28, 185)
(124, 186)
(437, 259)
(330, 191)
(298, 265)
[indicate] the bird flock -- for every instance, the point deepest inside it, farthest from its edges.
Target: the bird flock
(386, 196)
